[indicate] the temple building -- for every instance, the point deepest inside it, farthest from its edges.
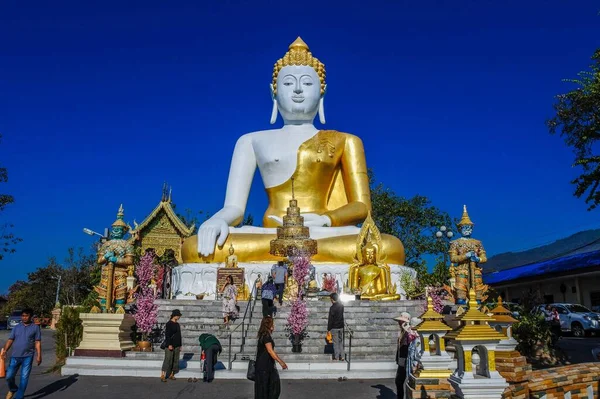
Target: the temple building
(161, 229)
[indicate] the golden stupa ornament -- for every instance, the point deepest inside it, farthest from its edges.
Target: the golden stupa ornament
(465, 220)
(299, 55)
(293, 238)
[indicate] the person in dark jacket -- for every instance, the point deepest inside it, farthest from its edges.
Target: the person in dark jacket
(335, 325)
(267, 295)
(211, 347)
(170, 365)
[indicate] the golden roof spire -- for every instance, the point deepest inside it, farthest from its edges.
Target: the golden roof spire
(432, 320)
(475, 324)
(465, 220)
(501, 314)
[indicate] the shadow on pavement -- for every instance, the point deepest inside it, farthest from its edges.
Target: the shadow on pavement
(60, 385)
(384, 392)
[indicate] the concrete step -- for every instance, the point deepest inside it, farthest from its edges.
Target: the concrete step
(127, 367)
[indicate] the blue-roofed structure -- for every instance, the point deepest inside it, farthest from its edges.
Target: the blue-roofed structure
(566, 264)
(574, 278)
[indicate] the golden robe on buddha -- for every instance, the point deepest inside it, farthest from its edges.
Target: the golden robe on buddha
(330, 179)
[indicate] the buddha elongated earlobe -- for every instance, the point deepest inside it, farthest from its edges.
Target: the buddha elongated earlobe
(321, 111)
(274, 112)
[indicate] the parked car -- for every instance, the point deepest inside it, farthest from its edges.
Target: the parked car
(575, 318)
(13, 319)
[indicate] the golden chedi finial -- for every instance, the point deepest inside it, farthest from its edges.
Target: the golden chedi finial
(299, 55)
(465, 220)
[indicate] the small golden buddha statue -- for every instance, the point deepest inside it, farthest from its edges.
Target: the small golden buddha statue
(232, 259)
(369, 275)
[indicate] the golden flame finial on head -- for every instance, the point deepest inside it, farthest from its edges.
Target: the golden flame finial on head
(120, 221)
(299, 55)
(465, 220)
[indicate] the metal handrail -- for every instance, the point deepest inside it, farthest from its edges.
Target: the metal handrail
(350, 333)
(251, 300)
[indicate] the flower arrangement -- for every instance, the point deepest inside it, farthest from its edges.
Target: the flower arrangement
(329, 283)
(437, 294)
(146, 311)
(297, 321)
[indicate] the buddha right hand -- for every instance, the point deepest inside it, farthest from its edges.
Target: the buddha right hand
(208, 233)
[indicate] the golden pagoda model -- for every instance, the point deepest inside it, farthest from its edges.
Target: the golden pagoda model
(509, 362)
(293, 238)
(475, 343)
(437, 363)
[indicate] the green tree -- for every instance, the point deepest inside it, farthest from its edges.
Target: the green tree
(39, 291)
(248, 221)
(415, 221)
(577, 120)
(7, 239)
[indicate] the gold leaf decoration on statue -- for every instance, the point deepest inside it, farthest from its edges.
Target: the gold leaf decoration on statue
(369, 233)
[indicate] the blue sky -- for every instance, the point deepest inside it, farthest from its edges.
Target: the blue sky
(100, 102)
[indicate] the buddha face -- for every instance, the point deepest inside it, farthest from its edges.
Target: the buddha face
(231, 250)
(466, 230)
(298, 93)
(370, 256)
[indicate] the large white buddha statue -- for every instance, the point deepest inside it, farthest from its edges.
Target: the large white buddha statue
(328, 169)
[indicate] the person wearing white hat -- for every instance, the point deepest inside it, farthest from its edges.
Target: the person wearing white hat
(407, 336)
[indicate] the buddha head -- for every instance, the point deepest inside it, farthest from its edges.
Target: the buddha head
(465, 226)
(298, 86)
(119, 227)
(369, 253)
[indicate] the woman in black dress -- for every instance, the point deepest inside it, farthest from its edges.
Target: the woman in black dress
(266, 383)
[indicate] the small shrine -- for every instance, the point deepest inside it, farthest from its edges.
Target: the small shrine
(161, 230)
(475, 343)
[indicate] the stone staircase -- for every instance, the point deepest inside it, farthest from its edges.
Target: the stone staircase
(374, 335)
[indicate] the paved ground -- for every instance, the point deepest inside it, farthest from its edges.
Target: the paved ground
(579, 350)
(43, 385)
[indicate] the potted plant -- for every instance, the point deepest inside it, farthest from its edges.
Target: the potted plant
(146, 311)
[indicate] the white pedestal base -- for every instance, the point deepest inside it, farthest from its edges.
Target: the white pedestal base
(474, 387)
(105, 332)
(191, 279)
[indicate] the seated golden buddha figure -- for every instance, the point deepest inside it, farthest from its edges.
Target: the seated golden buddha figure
(369, 275)
(328, 167)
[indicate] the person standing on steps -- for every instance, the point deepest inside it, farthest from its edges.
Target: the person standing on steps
(267, 384)
(173, 343)
(230, 308)
(211, 347)
(25, 340)
(279, 272)
(266, 297)
(335, 325)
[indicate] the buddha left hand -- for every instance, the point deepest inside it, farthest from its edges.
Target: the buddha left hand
(310, 219)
